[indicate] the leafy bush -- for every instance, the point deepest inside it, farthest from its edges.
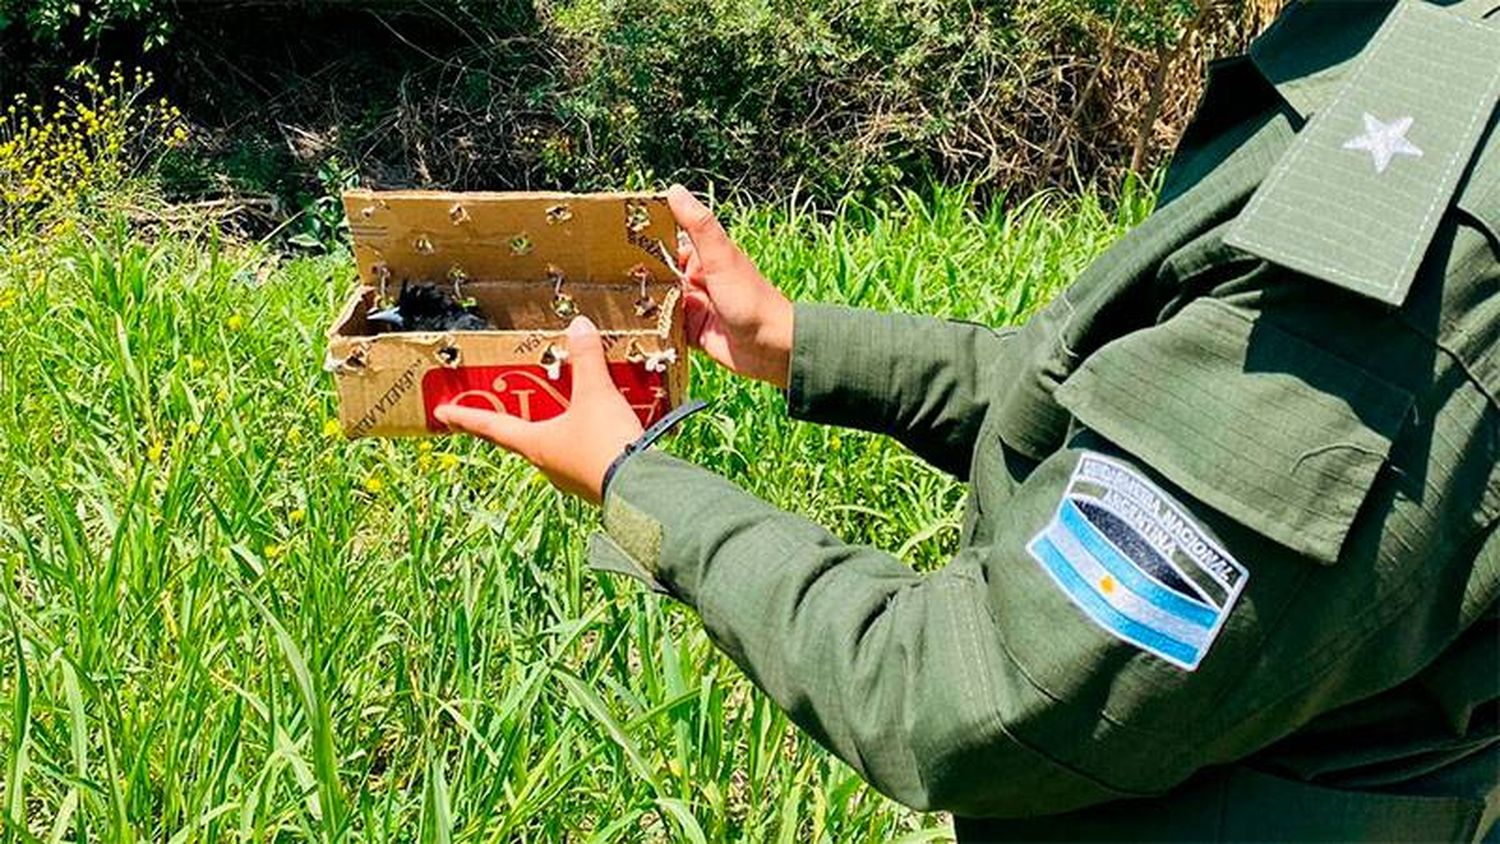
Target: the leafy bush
(820, 96)
(55, 20)
(322, 225)
(777, 92)
(827, 95)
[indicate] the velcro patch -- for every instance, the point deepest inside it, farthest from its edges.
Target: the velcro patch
(1137, 564)
(634, 532)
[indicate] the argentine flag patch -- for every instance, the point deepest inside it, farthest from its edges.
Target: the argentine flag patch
(1137, 564)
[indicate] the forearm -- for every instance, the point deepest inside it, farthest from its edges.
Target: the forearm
(927, 382)
(901, 675)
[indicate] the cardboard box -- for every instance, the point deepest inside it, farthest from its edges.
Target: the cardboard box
(529, 261)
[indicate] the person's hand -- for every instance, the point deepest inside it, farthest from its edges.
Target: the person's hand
(574, 449)
(732, 312)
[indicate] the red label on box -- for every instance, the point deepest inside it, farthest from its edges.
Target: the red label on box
(524, 390)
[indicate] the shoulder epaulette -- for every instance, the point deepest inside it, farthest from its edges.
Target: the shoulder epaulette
(1357, 197)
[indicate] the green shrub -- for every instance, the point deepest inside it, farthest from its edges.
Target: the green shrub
(828, 94)
(822, 97)
(55, 20)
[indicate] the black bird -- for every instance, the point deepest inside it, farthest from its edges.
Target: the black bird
(427, 307)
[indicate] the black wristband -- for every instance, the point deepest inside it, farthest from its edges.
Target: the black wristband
(649, 436)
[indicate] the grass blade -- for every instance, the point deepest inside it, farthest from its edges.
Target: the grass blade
(688, 824)
(438, 821)
(315, 707)
(20, 735)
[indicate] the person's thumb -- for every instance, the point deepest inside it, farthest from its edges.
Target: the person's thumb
(709, 239)
(586, 354)
(509, 432)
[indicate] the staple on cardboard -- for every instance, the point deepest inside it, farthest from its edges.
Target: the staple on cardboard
(657, 361)
(562, 303)
(637, 217)
(457, 275)
(644, 304)
(358, 357)
(552, 361)
(382, 272)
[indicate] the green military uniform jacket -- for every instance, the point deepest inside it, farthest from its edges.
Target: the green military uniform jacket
(1229, 568)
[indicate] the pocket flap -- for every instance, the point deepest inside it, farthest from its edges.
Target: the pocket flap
(1276, 433)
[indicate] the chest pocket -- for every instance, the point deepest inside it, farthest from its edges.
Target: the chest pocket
(1274, 432)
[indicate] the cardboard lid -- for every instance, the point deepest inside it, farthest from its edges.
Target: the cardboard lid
(597, 237)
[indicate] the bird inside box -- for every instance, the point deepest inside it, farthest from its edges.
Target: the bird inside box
(465, 297)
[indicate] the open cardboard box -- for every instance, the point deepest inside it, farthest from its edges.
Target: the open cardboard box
(512, 254)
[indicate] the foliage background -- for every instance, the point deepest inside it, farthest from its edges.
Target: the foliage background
(821, 97)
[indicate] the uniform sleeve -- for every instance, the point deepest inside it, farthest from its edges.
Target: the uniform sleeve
(927, 382)
(900, 674)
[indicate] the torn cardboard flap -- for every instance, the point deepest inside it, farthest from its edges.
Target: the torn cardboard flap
(528, 261)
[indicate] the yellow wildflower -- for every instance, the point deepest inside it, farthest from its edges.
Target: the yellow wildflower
(272, 551)
(235, 322)
(332, 428)
(191, 428)
(374, 485)
(296, 516)
(155, 451)
(448, 462)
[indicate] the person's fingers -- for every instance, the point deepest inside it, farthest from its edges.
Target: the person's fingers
(694, 269)
(509, 432)
(709, 239)
(586, 354)
(696, 300)
(696, 307)
(685, 253)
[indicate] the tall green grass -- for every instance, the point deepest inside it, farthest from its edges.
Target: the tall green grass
(222, 623)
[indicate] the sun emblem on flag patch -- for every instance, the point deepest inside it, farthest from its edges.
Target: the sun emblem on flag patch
(1136, 564)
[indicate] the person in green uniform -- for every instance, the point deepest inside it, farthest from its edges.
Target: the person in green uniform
(1228, 567)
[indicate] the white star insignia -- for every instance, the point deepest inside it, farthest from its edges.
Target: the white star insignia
(1384, 141)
